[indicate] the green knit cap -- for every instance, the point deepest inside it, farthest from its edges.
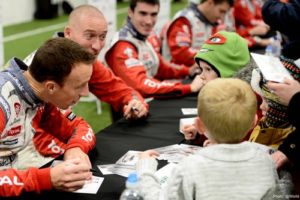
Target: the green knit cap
(226, 52)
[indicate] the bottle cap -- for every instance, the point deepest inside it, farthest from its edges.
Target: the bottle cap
(132, 180)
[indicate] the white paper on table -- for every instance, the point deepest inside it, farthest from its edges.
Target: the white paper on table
(271, 67)
(92, 186)
(122, 170)
(175, 153)
(106, 169)
(129, 158)
(189, 111)
(185, 121)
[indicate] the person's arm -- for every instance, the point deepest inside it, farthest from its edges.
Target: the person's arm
(282, 16)
(168, 70)
(291, 145)
(14, 182)
(73, 130)
(111, 89)
(179, 38)
(244, 16)
(132, 71)
(150, 185)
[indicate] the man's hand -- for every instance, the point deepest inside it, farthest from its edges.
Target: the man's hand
(286, 90)
(135, 109)
(76, 152)
(70, 175)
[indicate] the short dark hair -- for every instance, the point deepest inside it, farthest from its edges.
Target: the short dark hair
(230, 2)
(133, 3)
(55, 59)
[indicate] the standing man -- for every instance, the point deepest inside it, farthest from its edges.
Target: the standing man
(30, 100)
(191, 27)
(133, 58)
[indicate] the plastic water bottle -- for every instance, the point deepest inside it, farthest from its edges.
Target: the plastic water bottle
(276, 46)
(132, 189)
(274, 49)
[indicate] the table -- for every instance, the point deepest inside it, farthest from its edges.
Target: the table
(161, 128)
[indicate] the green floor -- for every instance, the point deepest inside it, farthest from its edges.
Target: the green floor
(22, 47)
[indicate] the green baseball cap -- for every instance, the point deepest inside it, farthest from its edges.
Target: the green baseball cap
(226, 52)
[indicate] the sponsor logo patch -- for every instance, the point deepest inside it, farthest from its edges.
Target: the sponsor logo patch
(71, 116)
(17, 107)
(10, 142)
(14, 131)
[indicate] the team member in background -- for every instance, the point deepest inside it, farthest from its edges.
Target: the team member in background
(134, 59)
(249, 22)
(191, 27)
(29, 103)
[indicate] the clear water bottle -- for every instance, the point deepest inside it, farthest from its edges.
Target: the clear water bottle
(276, 44)
(269, 50)
(132, 189)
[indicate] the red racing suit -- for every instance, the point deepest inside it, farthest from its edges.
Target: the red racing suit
(185, 35)
(245, 12)
(23, 115)
(134, 59)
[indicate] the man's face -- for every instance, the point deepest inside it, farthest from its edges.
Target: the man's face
(144, 17)
(74, 86)
(89, 31)
(217, 11)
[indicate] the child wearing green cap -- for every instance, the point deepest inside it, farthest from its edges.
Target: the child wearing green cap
(223, 55)
(228, 167)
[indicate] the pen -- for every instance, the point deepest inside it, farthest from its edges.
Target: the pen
(93, 170)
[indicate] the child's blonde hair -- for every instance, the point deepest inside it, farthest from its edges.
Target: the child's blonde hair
(227, 108)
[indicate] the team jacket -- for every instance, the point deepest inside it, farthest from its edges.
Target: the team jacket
(23, 115)
(185, 35)
(246, 11)
(134, 59)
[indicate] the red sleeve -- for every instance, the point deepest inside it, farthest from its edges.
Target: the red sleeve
(110, 88)
(67, 127)
(244, 17)
(132, 71)
(14, 182)
(168, 70)
(179, 37)
(2, 121)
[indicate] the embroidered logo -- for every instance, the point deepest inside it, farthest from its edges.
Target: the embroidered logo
(17, 107)
(71, 116)
(14, 131)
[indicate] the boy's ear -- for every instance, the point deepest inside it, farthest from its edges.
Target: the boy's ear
(200, 126)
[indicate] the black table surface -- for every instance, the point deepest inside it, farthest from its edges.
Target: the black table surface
(161, 128)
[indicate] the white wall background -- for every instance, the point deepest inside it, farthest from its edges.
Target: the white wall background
(19, 11)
